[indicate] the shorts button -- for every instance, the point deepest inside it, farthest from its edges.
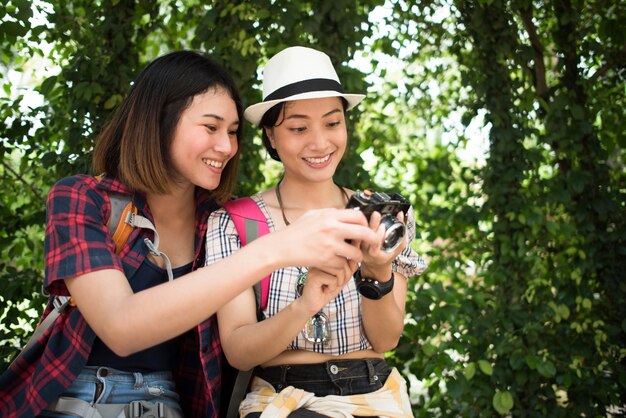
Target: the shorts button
(334, 369)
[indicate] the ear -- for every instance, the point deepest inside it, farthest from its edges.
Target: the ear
(269, 131)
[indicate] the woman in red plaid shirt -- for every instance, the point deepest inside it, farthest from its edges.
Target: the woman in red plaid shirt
(140, 337)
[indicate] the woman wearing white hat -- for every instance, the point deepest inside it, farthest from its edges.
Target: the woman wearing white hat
(323, 340)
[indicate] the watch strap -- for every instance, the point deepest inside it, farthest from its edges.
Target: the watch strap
(372, 288)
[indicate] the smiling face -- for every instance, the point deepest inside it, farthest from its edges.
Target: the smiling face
(205, 139)
(310, 137)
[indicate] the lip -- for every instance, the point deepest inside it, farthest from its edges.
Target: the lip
(212, 167)
(326, 161)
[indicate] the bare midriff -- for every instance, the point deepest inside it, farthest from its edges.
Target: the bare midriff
(309, 357)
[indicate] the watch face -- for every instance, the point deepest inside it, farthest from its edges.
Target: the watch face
(369, 290)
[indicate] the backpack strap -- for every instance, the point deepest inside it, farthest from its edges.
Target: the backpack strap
(121, 223)
(119, 227)
(122, 208)
(250, 223)
(124, 218)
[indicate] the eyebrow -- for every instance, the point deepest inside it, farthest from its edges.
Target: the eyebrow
(212, 115)
(299, 116)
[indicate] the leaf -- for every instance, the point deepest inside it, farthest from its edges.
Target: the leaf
(47, 85)
(485, 367)
(546, 369)
(112, 101)
(429, 349)
(470, 370)
(13, 28)
(502, 402)
(516, 360)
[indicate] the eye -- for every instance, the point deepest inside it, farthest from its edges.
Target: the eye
(298, 129)
(334, 124)
(211, 128)
(232, 133)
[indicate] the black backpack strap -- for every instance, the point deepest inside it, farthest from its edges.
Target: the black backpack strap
(239, 392)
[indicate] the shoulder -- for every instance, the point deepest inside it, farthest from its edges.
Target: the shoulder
(76, 187)
(78, 194)
(78, 181)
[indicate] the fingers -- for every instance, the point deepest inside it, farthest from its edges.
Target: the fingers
(322, 238)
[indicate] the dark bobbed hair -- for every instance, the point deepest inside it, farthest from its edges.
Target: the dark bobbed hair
(135, 145)
(270, 120)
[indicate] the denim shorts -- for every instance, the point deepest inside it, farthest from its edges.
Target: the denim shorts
(337, 377)
(105, 385)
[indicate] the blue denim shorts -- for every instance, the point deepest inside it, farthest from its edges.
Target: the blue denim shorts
(105, 385)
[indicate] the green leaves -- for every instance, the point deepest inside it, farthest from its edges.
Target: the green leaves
(470, 371)
(485, 367)
(502, 402)
(524, 292)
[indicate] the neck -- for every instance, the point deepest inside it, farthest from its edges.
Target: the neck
(178, 203)
(300, 198)
(307, 196)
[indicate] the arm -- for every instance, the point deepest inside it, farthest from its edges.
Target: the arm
(383, 319)
(129, 322)
(248, 343)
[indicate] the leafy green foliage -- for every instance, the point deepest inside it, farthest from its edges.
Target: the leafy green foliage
(521, 312)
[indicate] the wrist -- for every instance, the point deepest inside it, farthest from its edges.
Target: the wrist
(371, 288)
(301, 310)
(382, 273)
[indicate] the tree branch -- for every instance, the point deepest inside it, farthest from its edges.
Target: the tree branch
(22, 179)
(541, 86)
(604, 68)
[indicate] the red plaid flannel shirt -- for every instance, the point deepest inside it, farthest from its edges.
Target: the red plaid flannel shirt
(77, 242)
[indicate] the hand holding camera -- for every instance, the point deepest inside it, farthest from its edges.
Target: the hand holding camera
(388, 205)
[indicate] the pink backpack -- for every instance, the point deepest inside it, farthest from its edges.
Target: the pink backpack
(250, 223)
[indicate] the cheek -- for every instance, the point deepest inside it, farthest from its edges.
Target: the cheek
(234, 146)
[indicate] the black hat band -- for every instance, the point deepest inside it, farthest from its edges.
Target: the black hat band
(305, 86)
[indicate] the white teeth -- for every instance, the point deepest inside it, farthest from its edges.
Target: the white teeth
(318, 160)
(213, 163)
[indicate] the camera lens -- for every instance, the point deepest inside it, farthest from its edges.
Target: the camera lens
(394, 233)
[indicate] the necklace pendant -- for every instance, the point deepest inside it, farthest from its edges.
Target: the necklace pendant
(300, 283)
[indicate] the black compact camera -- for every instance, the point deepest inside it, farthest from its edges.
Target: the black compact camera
(388, 205)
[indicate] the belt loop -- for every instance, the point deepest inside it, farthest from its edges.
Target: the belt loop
(138, 380)
(283, 376)
(371, 372)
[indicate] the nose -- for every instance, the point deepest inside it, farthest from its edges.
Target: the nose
(225, 144)
(319, 138)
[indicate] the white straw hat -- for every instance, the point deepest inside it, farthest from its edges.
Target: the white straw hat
(298, 73)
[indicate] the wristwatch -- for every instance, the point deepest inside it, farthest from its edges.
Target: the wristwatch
(372, 288)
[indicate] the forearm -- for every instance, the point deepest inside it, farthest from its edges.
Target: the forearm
(254, 344)
(129, 322)
(383, 319)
